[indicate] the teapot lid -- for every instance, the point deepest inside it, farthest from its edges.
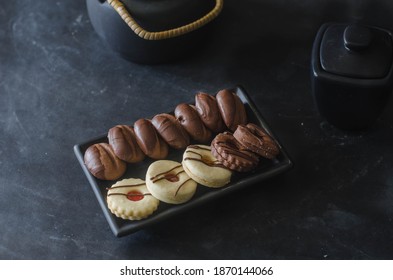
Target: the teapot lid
(356, 51)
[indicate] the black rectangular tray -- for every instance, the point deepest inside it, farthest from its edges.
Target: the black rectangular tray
(120, 227)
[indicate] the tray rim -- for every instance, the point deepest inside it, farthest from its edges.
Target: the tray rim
(284, 165)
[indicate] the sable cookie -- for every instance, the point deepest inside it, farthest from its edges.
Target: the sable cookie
(102, 162)
(130, 199)
(207, 108)
(232, 154)
(204, 168)
(231, 108)
(189, 118)
(256, 140)
(149, 140)
(123, 142)
(168, 182)
(171, 131)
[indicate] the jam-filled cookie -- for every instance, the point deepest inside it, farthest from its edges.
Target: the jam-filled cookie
(204, 168)
(167, 181)
(130, 199)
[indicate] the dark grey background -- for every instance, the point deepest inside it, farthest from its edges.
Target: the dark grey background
(60, 85)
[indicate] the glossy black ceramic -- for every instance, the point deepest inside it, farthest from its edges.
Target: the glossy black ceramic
(153, 15)
(352, 74)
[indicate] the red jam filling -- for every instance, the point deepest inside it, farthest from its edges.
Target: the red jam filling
(171, 177)
(135, 195)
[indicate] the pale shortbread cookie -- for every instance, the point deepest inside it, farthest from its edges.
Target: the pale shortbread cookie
(167, 181)
(131, 200)
(204, 168)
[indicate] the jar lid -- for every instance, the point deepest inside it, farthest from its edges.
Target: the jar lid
(356, 51)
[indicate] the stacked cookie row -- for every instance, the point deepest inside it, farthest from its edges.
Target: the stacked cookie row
(152, 138)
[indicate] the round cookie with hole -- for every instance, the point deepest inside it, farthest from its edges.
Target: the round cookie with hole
(204, 168)
(167, 181)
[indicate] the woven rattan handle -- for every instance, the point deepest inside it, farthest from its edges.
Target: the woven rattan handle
(125, 15)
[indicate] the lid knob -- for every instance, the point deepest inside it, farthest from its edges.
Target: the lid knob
(357, 37)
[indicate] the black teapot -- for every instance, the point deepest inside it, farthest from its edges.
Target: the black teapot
(352, 73)
(153, 31)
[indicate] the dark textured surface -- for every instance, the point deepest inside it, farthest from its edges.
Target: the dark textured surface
(59, 85)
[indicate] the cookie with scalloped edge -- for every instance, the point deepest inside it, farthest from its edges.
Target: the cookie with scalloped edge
(130, 199)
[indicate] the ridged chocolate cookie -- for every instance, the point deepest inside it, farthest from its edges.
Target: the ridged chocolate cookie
(231, 108)
(149, 140)
(171, 131)
(189, 118)
(123, 142)
(102, 162)
(232, 154)
(207, 108)
(256, 140)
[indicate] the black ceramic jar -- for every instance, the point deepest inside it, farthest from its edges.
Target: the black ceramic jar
(352, 73)
(153, 31)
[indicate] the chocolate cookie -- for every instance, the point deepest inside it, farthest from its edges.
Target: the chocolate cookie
(171, 131)
(123, 141)
(189, 118)
(207, 108)
(232, 154)
(149, 140)
(256, 140)
(231, 108)
(102, 162)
